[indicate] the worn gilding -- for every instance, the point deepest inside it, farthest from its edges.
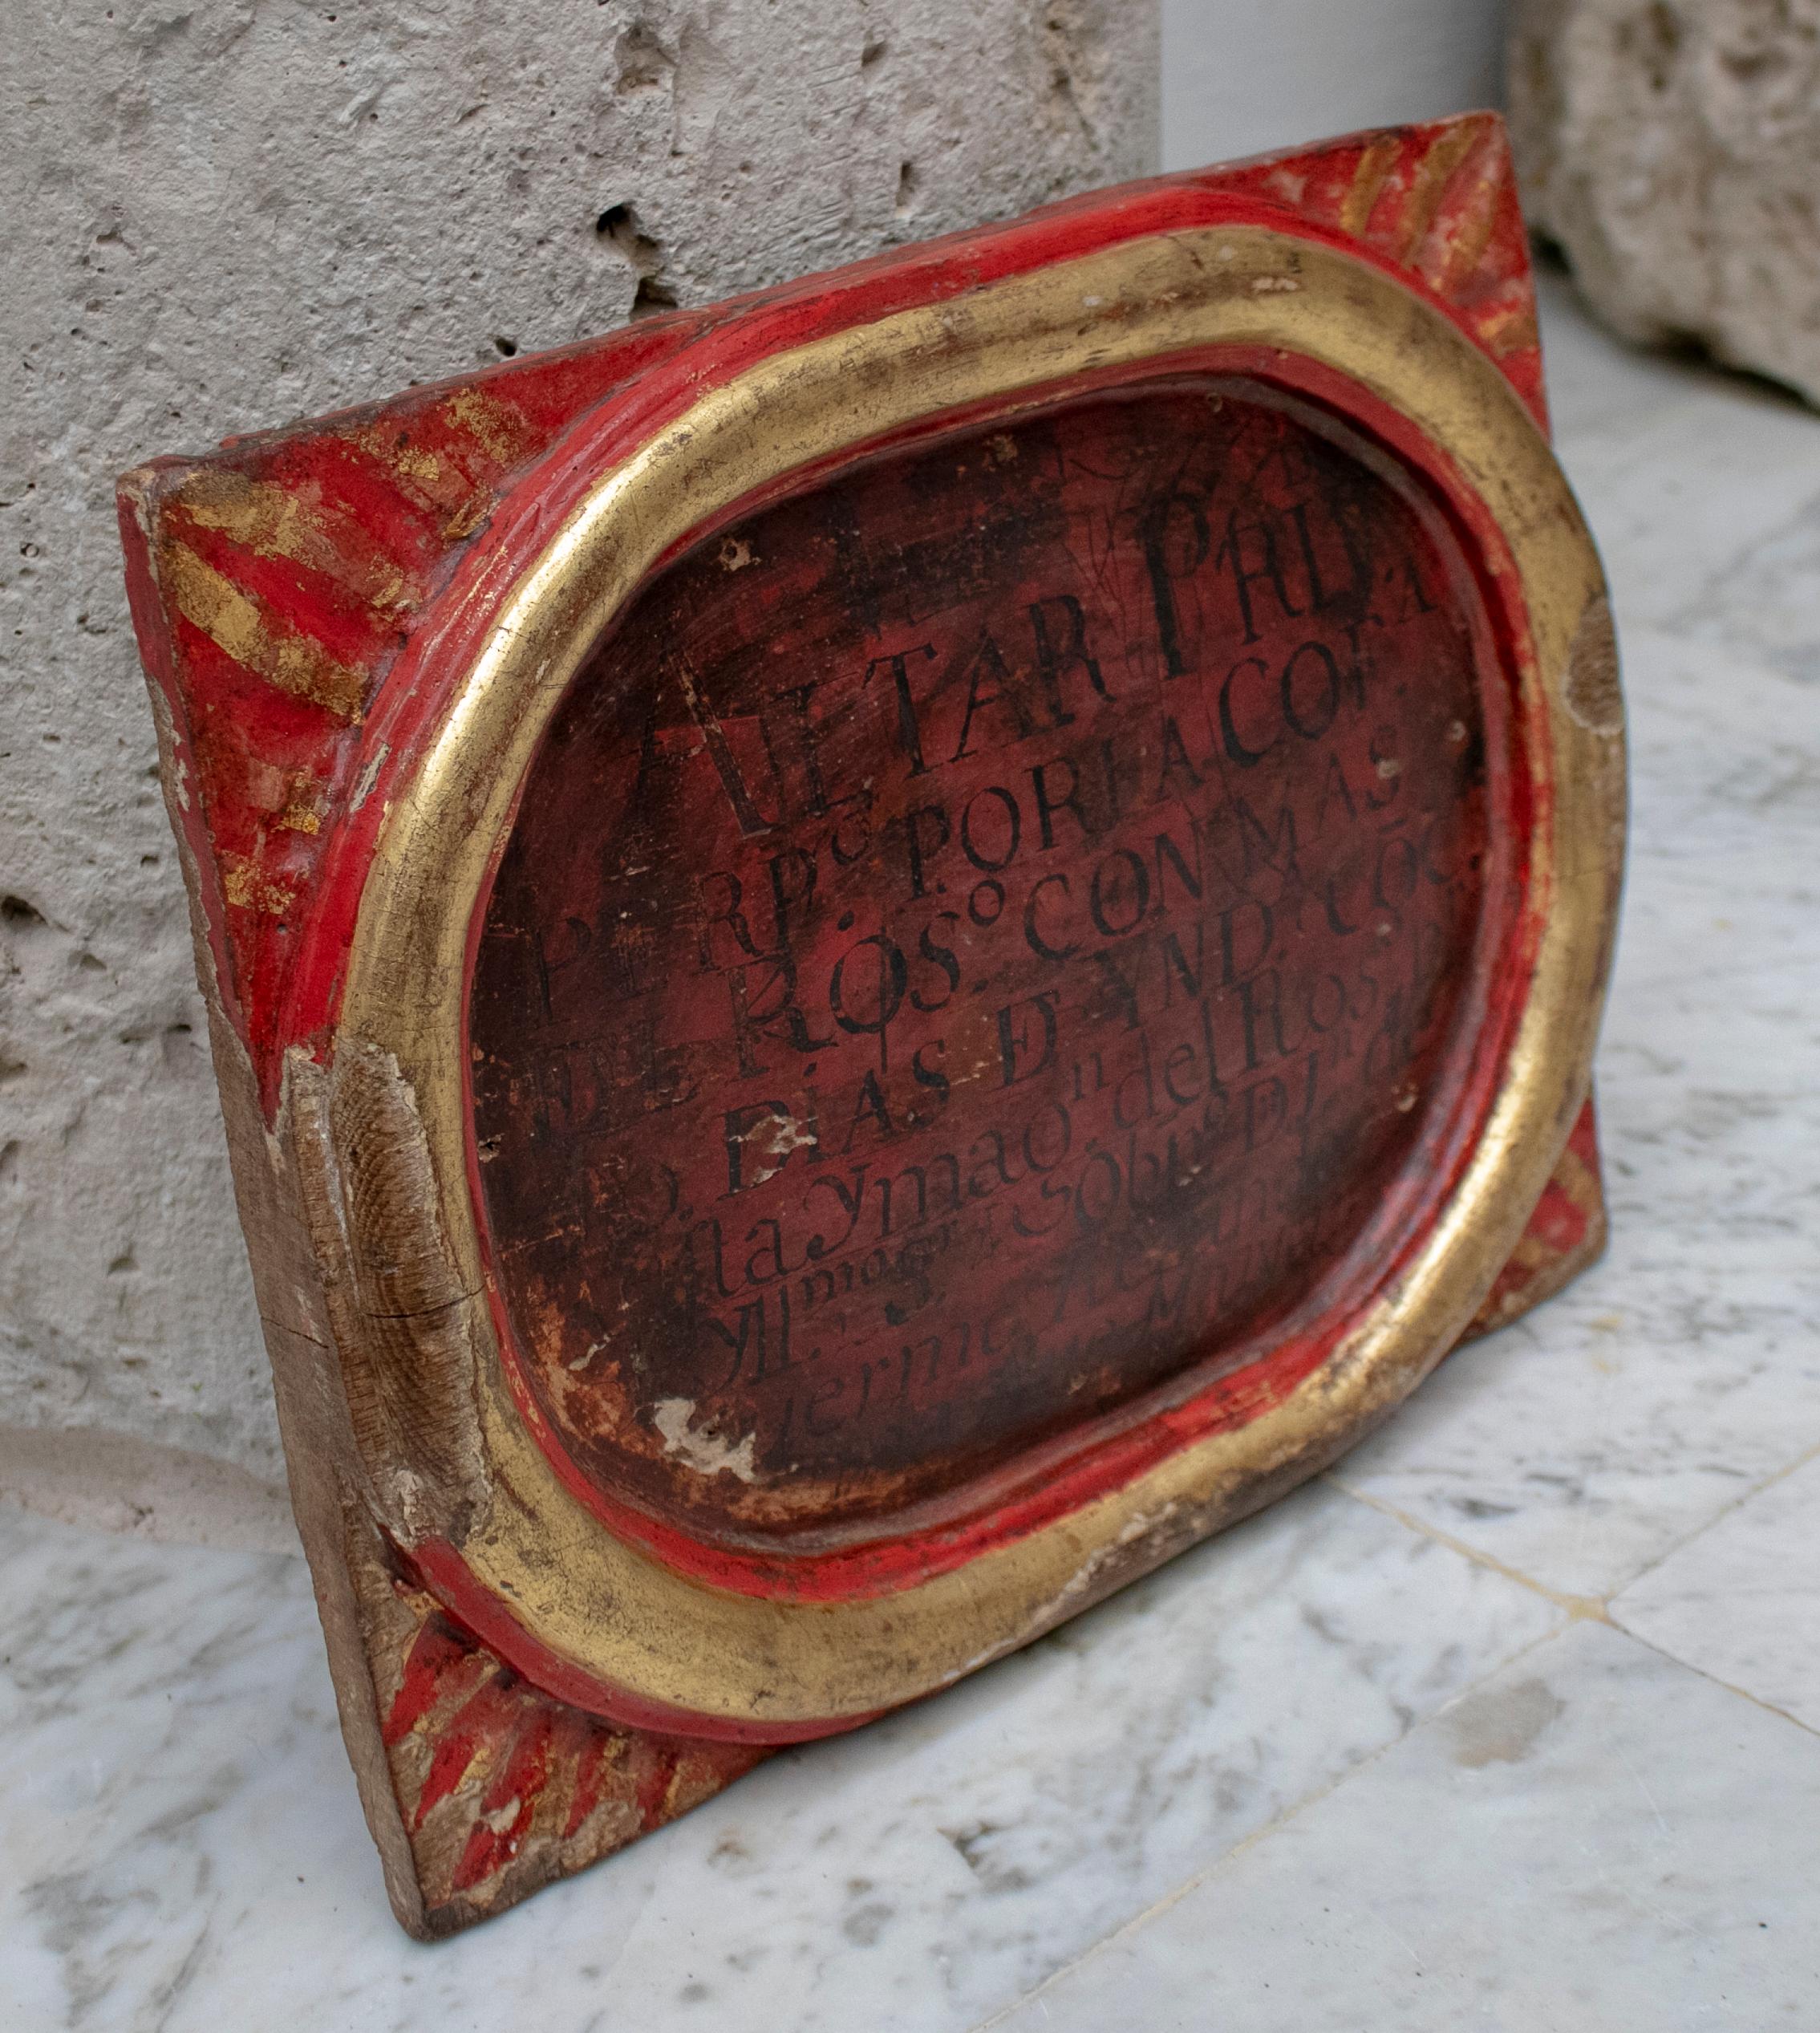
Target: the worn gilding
(602, 1611)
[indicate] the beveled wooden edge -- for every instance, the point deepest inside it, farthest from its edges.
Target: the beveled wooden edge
(453, 1470)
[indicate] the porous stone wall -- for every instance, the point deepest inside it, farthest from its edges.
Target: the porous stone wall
(224, 213)
(1672, 147)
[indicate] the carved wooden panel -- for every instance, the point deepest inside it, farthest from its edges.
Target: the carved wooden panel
(979, 939)
(878, 953)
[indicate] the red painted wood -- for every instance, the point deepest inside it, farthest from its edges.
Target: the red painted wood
(405, 493)
(306, 599)
(892, 1071)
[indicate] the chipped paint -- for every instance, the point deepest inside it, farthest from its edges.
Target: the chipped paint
(369, 776)
(705, 1452)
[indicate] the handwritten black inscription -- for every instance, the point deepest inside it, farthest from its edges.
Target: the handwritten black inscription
(980, 938)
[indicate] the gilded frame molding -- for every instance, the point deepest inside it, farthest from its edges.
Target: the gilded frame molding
(604, 1623)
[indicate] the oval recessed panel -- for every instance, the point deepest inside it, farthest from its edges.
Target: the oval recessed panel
(980, 946)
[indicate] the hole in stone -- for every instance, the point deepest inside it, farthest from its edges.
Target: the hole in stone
(873, 49)
(23, 916)
(643, 61)
(505, 348)
(1659, 32)
(908, 182)
(1754, 66)
(619, 226)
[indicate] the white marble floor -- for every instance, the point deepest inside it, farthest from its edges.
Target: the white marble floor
(1514, 1722)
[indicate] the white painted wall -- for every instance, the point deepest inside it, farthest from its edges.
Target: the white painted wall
(1241, 76)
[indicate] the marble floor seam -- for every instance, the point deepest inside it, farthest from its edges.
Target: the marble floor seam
(1139, 1923)
(1687, 1666)
(1575, 1609)
(1718, 1518)
(1196, 1879)
(1592, 1608)
(1599, 1608)
(1576, 1606)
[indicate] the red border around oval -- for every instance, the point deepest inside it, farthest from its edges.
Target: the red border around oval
(416, 695)
(891, 1562)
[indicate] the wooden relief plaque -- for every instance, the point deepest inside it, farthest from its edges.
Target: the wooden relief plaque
(879, 953)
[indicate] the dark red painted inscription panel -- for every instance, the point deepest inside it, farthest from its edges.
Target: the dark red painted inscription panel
(981, 941)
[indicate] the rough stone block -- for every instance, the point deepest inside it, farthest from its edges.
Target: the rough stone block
(222, 214)
(1672, 147)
